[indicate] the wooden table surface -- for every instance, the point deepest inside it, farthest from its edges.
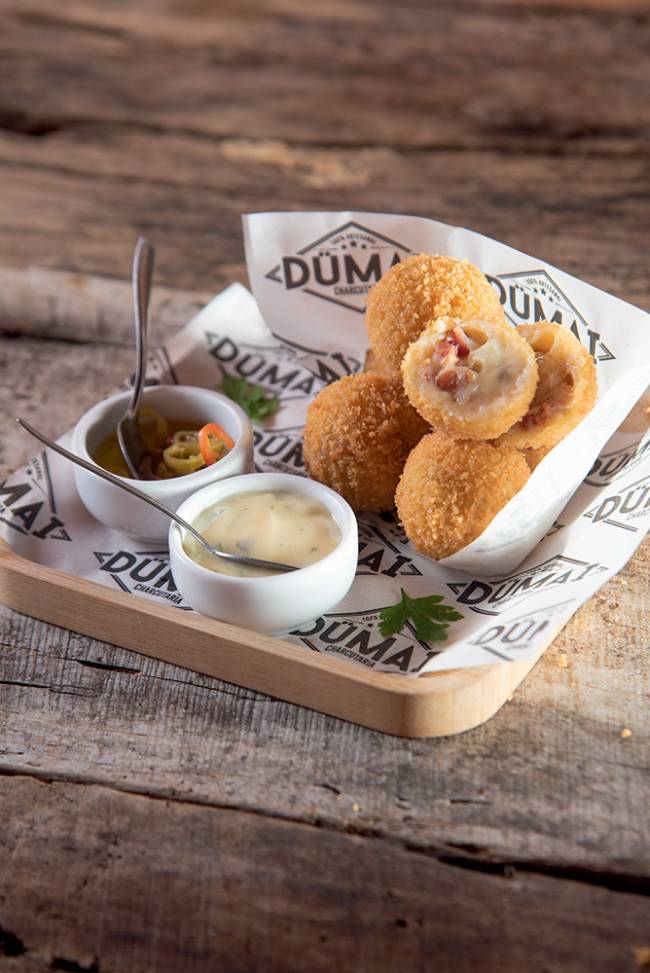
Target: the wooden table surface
(154, 819)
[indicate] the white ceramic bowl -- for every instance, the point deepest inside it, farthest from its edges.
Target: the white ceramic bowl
(279, 602)
(129, 515)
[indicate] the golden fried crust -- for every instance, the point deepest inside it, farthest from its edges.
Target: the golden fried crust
(500, 392)
(358, 434)
(417, 290)
(451, 489)
(566, 391)
(376, 365)
(535, 456)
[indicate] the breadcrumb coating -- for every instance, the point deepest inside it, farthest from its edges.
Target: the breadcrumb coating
(376, 365)
(472, 379)
(451, 489)
(414, 292)
(358, 434)
(566, 391)
(535, 456)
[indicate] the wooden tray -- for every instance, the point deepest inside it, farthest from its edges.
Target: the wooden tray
(438, 704)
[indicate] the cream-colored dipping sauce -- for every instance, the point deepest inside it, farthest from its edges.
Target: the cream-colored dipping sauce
(273, 525)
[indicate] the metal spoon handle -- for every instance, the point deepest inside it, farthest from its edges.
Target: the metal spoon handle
(116, 481)
(143, 262)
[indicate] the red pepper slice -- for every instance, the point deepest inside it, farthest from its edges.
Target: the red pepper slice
(212, 430)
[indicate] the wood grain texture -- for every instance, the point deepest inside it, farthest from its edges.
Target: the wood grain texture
(543, 781)
(373, 76)
(474, 113)
(549, 780)
(75, 202)
(525, 121)
(74, 307)
(276, 897)
(51, 384)
(437, 704)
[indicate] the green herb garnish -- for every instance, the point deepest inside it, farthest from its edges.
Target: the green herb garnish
(430, 617)
(251, 398)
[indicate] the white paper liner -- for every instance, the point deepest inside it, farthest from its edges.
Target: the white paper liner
(315, 335)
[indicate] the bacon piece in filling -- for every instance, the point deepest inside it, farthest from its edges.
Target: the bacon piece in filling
(471, 378)
(446, 367)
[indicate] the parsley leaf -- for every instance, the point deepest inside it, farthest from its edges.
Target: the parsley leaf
(430, 617)
(251, 398)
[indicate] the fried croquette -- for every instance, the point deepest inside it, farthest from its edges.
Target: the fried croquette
(473, 379)
(535, 456)
(566, 390)
(451, 489)
(415, 292)
(358, 434)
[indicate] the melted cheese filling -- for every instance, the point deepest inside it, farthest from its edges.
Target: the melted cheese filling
(553, 392)
(485, 377)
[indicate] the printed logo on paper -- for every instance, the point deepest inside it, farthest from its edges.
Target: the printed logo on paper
(622, 509)
(341, 266)
(493, 597)
(141, 572)
(28, 505)
(613, 465)
(519, 635)
(279, 450)
(534, 296)
(290, 371)
(356, 636)
(389, 526)
(379, 555)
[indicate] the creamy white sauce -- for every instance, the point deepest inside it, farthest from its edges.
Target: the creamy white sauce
(275, 526)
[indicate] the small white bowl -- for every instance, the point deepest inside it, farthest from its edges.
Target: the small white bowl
(280, 602)
(129, 515)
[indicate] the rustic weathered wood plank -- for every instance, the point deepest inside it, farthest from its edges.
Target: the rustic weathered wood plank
(588, 216)
(582, 211)
(192, 197)
(51, 384)
(355, 73)
(114, 882)
(545, 154)
(504, 791)
(548, 780)
(66, 306)
(524, 121)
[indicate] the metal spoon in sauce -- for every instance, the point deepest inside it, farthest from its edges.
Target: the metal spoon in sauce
(132, 445)
(254, 562)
